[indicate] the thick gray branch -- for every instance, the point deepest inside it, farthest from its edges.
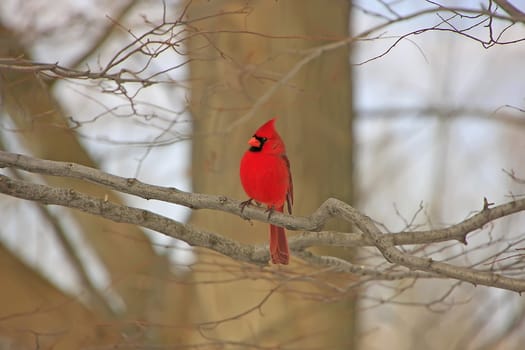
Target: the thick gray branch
(167, 194)
(313, 223)
(124, 214)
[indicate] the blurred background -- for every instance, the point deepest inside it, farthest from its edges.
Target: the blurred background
(412, 111)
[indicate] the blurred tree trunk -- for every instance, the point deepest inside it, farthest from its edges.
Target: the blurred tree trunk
(232, 68)
(34, 314)
(136, 272)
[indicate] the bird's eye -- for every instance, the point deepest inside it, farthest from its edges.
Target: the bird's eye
(263, 139)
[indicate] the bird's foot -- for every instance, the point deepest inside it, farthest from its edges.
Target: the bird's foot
(244, 204)
(270, 211)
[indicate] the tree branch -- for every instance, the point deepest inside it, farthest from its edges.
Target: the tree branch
(512, 10)
(315, 222)
(125, 214)
(396, 256)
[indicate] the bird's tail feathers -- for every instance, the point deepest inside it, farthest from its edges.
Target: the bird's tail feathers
(279, 251)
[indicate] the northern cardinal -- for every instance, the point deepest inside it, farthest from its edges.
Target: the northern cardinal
(266, 178)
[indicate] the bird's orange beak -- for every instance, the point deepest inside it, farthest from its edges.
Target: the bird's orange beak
(254, 142)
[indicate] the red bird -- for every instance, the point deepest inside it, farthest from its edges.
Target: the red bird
(266, 178)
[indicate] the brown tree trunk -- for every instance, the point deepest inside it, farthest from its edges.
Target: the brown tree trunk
(239, 59)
